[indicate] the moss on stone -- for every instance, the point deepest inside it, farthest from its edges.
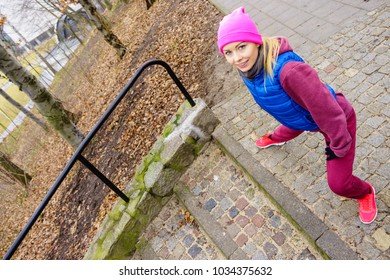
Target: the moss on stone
(99, 254)
(141, 171)
(132, 207)
(126, 243)
(198, 149)
(176, 166)
(139, 177)
(141, 244)
(168, 130)
(190, 140)
(116, 213)
(143, 219)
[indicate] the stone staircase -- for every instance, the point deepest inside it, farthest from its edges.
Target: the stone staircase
(218, 211)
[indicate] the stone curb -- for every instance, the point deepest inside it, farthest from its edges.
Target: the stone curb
(317, 232)
(212, 228)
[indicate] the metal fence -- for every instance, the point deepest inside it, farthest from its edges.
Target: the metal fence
(77, 156)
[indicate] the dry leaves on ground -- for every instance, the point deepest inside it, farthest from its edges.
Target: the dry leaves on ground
(180, 32)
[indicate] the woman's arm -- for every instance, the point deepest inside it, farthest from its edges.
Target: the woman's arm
(304, 86)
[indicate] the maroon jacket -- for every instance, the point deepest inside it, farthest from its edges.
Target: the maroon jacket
(303, 85)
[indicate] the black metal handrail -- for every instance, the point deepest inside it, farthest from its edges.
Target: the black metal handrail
(77, 156)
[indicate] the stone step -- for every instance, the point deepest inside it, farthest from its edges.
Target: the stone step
(324, 239)
(174, 235)
(209, 224)
(228, 217)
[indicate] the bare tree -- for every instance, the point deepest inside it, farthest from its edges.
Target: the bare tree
(95, 17)
(103, 26)
(23, 110)
(50, 107)
(13, 170)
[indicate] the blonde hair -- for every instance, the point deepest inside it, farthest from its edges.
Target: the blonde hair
(271, 47)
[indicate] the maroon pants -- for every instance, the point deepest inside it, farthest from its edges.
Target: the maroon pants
(339, 170)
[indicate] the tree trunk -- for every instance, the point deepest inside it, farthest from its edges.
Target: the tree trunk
(51, 108)
(22, 109)
(102, 25)
(13, 170)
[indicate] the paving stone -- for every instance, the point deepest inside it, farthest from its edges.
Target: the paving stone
(375, 139)
(250, 211)
(242, 239)
(217, 212)
(233, 212)
(188, 240)
(258, 221)
(275, 221)
(194, 251)
(241, 203)
(210, 204)
(279, 238)
(306, 255)
(233, 230)
(242, 221)
(259, 255)
(226, 203)
(250, 230)
(270, 250)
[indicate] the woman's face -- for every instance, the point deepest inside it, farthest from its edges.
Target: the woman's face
(241, 55)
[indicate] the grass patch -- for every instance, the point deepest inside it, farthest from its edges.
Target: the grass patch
(11, 143)
(31, 56)
(7, 111)
(20, 139)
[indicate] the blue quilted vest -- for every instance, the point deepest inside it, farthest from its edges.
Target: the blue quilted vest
(273, 99)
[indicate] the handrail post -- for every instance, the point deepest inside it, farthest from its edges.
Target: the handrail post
(100, 175)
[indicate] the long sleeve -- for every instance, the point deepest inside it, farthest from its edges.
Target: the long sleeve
(302, 84)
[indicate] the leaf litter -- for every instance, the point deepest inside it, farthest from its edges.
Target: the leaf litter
(180, 32)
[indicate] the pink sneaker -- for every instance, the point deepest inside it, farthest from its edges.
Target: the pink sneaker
(266, 141)
(367, 207)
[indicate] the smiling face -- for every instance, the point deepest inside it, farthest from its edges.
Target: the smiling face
(241, 55)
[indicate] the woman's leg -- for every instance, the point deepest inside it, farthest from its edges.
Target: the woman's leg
(339, 170)
(284, 134)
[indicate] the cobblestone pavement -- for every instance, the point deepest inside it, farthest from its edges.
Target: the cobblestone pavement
(355, 61)
(172, 237)
(305, 22)
(347, 42)
(232, 199)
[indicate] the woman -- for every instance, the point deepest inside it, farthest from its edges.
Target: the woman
(291, 91)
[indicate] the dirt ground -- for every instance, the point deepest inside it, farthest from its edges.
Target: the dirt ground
(180, 32)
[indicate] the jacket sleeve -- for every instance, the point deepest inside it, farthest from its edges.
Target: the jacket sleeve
(303, 85)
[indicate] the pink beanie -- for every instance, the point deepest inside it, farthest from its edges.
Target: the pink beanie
(237, 27)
